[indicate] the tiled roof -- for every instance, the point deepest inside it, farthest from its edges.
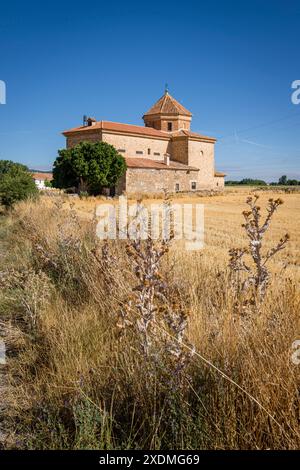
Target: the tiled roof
(184, 132)
(218, 173)
(119, 127)
(158, 165)
(42, 176)
(132, 129)
(168, 105)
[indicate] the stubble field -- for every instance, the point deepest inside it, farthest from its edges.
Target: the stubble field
(223, 223)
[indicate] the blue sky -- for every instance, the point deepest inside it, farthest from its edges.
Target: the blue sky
(230, 63)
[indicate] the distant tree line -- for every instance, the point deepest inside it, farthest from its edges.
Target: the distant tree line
(283, 181)
(247, 182)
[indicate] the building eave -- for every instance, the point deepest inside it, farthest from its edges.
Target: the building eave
(121, 129)
(155, 116)
(132, 134)
(139, 163)
(210, 140)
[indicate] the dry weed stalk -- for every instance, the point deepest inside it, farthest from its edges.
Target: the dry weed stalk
(55, 254)
(107, 263)
(154, 309)
(145, 260)
(32, 290)
(176, 317)
(259, 277)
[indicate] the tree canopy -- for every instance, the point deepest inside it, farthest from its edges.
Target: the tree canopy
(282, 180)
(16, 183)
(88, 166)
(7, 166)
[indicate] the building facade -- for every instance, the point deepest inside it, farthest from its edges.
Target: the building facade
(162, 155)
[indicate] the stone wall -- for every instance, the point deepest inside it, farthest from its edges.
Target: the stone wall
(179, 151)
(219, 182)
(160, 122)
(142, 180)
(201, 155)
(90, 136)
(151, 148)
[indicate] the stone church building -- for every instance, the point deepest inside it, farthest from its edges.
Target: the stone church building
(162, 155)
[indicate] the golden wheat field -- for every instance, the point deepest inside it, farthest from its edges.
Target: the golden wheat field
(223, 220)
(117, 345)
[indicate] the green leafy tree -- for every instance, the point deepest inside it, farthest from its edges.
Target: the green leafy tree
(89, 166)
(16, 183)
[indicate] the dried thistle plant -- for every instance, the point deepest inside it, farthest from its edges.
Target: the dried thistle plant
(155, 309)
(145, 257)
(257, 278)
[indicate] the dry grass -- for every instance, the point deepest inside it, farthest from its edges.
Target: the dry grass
(76, 383)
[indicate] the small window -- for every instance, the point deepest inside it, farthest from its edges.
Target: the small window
(139, 152)
(156, 154)
(170, 126)
(177, 187)
(201, 153)
(121, 150)
(193, 185)
(217, 184)
(149, 151)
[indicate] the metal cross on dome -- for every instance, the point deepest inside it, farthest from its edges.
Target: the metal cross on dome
(166, 88)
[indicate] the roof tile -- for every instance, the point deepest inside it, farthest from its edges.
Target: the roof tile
(133, 129)
(157, 165)
(42, 176)
(168, 105)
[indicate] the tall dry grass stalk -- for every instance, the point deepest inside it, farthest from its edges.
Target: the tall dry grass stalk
(101, 355)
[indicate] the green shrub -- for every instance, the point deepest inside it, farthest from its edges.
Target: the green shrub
(16, 183)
